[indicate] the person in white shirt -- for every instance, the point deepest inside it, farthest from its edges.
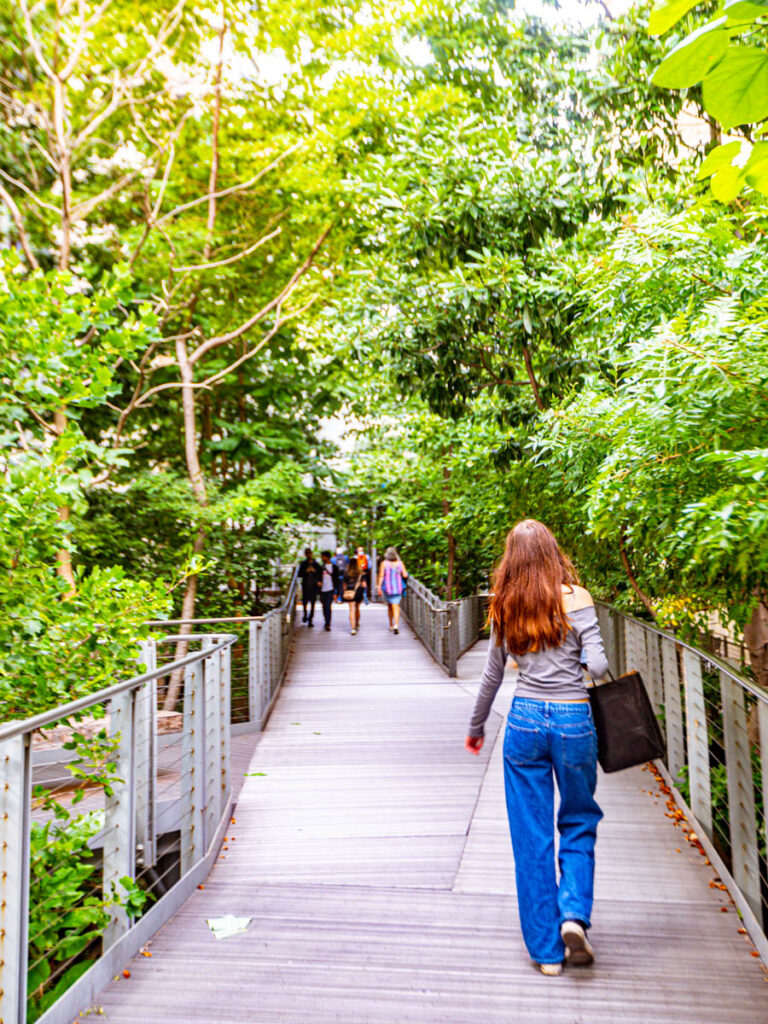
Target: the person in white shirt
(329, 584)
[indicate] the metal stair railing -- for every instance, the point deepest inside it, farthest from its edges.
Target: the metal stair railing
(446, 628)
(156, 823)
(259, 656)
(715, 723)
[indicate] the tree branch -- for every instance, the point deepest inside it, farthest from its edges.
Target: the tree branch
(242, 187)
(7, 198)
(29, 192)
(230, 259)
(632, 580)
(277, 302)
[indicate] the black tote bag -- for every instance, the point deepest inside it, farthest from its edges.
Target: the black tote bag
(627, 730)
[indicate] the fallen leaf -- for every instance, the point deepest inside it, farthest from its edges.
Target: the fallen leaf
(742, 931)
(233, 821)
(754, 953)
(248, 774)
(145, 952)
(201, 887)
(126, 973)
(723, 910)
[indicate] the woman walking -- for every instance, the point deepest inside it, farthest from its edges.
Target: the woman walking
(540, 617)
(391, 584)
(353, 590)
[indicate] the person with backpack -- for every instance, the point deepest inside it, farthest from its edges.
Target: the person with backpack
(391, 585)
(353, 589)
(540, 617)
(364, 564)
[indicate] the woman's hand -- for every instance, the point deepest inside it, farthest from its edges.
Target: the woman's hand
(379, 591)
(474, 744)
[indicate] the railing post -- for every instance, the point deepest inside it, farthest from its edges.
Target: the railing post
(655, 679)
(254, 709)
(741, 794)
(698, 741)
(673, 708)
(762, 721)
(120, 812)
(192, 768)
(146, 759)
(452, 615)
(261, 673)
(212, 730)
(225, 722)
(15, 797)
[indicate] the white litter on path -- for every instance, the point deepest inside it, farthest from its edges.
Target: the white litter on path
(224, 927)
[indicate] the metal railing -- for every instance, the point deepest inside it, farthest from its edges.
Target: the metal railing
(109, 821)
(259, 656)
(715, 723)
(446, 628)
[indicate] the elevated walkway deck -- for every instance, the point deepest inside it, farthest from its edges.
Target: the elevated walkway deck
(373, 856)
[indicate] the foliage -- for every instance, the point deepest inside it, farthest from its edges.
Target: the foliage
(68, 908)
(728, 54)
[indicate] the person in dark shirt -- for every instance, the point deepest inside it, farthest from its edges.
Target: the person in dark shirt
(310, 574)
(329, 584)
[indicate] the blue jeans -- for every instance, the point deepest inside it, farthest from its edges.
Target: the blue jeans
(543, 736)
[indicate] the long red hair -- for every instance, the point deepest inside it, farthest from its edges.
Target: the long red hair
(526, 609)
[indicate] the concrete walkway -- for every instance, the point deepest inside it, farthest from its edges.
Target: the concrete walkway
(372, 854)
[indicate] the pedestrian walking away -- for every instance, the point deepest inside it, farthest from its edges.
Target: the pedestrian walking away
(353, 589)
(310, 572)
(328, 586)
(364, 564)
(391, 585)
(342, 564)
(543, 619)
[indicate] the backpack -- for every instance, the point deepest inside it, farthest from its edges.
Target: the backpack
(342, 563)
(392, 581)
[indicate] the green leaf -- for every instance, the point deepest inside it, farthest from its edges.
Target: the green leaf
(744, 10)
(666, 14)
(756, 168)
(727, 183)
(736, 91)
(694, 57)
(718, 158)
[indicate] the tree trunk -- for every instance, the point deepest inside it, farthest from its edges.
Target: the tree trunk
(633, 581)
(186, 371)
(532, 378)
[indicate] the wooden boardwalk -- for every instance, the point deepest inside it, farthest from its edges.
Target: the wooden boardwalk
(373, 856)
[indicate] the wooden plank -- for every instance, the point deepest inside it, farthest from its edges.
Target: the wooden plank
(373, 857)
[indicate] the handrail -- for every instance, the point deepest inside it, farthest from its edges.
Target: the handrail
(715, 723)
(723, 666)
(134, 834)
(259, 659)
(446, 628)
(17, 727)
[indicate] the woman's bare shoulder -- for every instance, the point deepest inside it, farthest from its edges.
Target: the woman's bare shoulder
(575, 597)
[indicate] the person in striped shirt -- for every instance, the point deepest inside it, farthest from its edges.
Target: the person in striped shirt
(391, 585)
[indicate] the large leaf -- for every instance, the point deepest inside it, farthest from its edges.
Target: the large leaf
(727, 183)
(717, 159)
(736, 91)
(694, 57)
(756, 169)
(738, 11)
(664, 15)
